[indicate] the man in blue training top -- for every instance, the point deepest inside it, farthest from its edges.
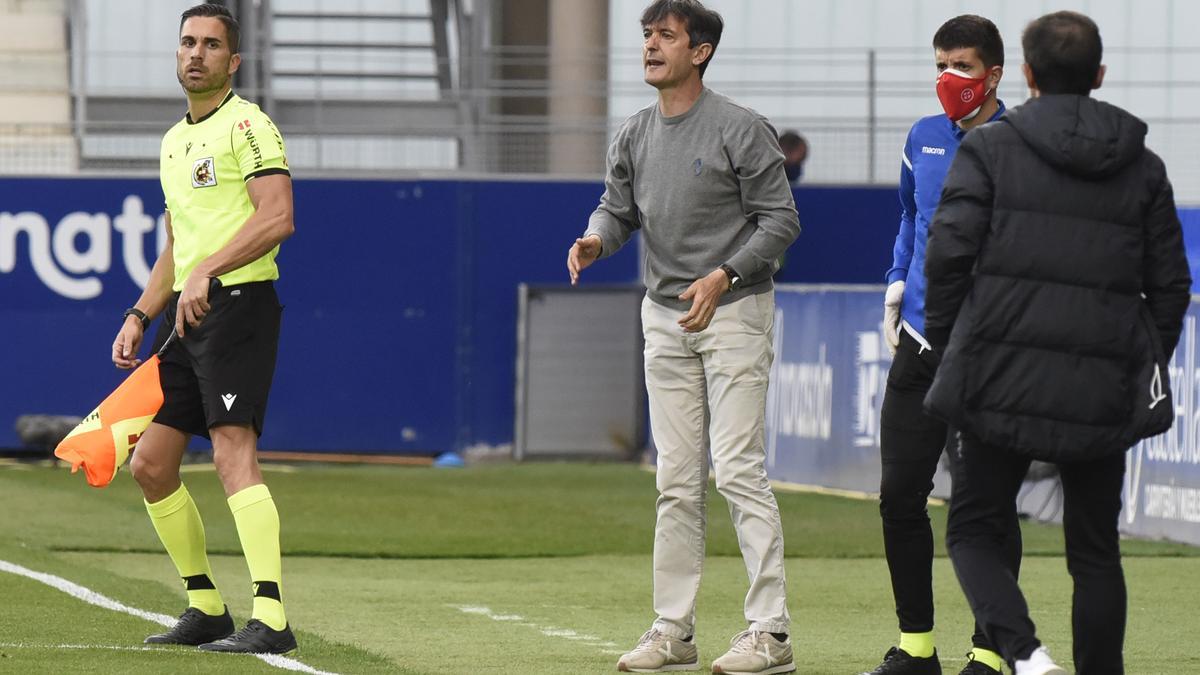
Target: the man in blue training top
(969, 55)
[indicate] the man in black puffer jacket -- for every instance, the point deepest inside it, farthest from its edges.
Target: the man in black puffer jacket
(1057, 285)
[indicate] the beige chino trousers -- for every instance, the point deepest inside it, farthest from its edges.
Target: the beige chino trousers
(708, 394)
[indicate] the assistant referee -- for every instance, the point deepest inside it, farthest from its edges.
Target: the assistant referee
(228, 195)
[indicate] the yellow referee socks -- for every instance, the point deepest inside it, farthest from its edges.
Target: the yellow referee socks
(988, 658)
(182, 533)
(258, 528)
(919, 645)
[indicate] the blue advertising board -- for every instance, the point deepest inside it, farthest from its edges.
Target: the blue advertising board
(1162, 476)
(827, 385)
(826, 394)
(399, 327)
(399, 333)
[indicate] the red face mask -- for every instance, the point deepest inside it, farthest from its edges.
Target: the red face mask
(961, 95)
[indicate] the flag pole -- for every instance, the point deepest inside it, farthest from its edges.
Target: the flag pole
(213, 285)
(170, 338)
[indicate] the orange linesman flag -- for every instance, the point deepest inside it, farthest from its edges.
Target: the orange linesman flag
(103, 440)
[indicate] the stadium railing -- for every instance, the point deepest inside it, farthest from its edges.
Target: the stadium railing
(364, 93)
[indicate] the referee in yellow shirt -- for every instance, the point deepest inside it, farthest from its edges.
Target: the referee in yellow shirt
(225, 176)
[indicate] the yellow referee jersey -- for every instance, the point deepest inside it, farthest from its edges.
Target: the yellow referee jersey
(204, 166)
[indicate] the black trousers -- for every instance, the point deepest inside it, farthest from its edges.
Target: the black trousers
(982, 507)
(911, 445)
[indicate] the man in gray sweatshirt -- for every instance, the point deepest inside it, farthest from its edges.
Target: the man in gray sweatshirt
(702, 177)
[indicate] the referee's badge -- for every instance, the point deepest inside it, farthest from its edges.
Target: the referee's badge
(204, 173)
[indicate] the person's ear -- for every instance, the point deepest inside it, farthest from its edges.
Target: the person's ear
(994, 77)
(701, 53)
(1029, 80)
(1100, 76)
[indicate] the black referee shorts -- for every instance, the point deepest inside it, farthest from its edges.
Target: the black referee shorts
(220, 372)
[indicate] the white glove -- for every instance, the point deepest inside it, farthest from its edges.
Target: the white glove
(891, 315)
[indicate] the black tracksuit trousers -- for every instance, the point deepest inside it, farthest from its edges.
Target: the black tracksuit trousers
(911, 445)
(982, 511)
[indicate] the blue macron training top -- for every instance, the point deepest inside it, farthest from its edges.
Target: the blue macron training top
(928, 152)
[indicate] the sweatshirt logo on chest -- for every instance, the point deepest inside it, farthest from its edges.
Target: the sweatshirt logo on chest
(204, 173)
(698, 166)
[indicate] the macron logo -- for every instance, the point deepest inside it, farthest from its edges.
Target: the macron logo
(228, 399)
(926, 150)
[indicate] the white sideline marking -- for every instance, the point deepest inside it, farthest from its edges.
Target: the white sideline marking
(93, 598)
(548, 631)
(116, 648)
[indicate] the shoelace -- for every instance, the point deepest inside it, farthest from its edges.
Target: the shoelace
(648, 640)
(977, 666)
(743, 646)
(247, 631)
(190, 616)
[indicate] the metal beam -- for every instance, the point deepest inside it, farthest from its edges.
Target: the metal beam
(393, 46)
(119, 114)
(441, 46)
(353, 75)
(323, 16)
(391, 118)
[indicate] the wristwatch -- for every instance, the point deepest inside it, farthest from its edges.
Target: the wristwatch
(140, 315)
(734, 279)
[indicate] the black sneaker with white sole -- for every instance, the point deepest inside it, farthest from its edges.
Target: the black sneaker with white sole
(195, 628)
(255, 637)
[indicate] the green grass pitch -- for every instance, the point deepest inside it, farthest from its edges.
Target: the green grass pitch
(501, 569)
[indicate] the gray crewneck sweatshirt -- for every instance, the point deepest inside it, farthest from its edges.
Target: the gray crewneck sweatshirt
(706, 188)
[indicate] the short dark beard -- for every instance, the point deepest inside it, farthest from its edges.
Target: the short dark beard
(219, 86)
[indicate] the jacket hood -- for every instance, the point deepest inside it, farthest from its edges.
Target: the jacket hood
(1079, 134)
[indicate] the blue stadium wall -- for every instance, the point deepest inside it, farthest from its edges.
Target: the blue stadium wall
(826, 396)
(400, 302)
(399, 327)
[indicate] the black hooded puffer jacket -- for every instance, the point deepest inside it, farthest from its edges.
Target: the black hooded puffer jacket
(1058, 282)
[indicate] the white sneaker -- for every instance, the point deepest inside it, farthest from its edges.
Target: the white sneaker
(1038, 663)
(755, 653)
(657, 653)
